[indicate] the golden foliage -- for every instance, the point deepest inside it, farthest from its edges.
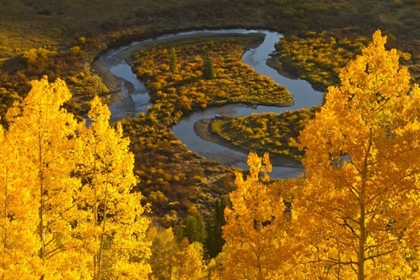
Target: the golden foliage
(359, 208)
(255, 227)
(318, 57)
(267, 132)
(59, 190)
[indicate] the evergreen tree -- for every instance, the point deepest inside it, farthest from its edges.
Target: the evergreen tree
(195, 229)
(164, 247)
(173, 60)
(208, 69)
(188, 262)
(215, 241)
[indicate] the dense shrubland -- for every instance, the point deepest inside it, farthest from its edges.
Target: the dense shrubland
(67, 65)
(172, 178)
(189, 86)
(317, 57)
(268, 132)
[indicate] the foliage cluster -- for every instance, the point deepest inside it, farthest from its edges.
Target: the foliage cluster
(317, 57)
(256, 227)
(355, 214)
(67, 206)
(67, 65)
(268, 132)
(175, 260)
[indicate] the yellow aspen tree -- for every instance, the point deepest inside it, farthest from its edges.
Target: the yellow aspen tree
(188, 262)
(18, 221)
(255, 227)
(164, 247)
(44, 136)
(114, 226)
(358, 210)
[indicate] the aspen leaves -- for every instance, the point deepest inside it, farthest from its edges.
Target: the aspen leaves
(362, 163)
(59, 183)
(254, 226)
(355, 213)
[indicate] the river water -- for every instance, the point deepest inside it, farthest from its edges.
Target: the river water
(139, 100)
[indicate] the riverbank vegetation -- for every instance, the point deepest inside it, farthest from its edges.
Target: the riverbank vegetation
(68, 65)
(274, 133)
(69, 46)
(319, 56)
(209, 71)
(171, 177)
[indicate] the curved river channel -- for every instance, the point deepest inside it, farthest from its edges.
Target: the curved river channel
(138, 100)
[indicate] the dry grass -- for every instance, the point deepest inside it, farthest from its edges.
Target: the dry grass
(26, 24)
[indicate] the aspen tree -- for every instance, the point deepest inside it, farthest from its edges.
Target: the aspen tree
(44, 136)
(255, 227)
(18, 221)
(114, 224)
(358, 210)
(188, 262)
(164, 247)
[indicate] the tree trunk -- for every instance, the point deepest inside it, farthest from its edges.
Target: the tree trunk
(362, 239)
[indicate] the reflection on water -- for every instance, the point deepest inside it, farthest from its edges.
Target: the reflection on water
(304, 96)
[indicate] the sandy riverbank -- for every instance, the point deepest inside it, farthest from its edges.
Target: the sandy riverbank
(121, 104)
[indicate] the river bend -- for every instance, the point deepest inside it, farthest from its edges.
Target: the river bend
(138, 101)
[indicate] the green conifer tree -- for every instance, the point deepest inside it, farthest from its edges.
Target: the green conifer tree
(173, 60)
(215, 241)
(194, 229)
(208, 69)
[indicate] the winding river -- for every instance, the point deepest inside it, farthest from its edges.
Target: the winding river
(136, 98)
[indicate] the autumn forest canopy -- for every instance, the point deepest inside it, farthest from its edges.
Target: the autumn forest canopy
(88, 194)
(69, 210)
